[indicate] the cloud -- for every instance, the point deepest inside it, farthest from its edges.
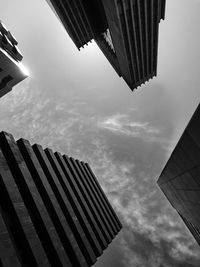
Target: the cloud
(153, 234)
(31, 113)
(122, 124)
(126, 154)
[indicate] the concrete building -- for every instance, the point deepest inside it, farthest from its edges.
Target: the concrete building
(180, 179)
(125, 30)
(53, 211)
(12, 70)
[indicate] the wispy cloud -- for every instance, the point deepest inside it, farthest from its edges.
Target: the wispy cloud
(30, 113)
(153, 234)
(122, 124)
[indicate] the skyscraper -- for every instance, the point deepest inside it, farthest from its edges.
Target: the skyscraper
(125, 30)
(12, 70)
(53, 211)
(180, 179)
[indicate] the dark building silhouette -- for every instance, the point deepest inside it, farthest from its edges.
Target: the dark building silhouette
(180, 179)
(11, 69)
(125, 30)
(53, 210)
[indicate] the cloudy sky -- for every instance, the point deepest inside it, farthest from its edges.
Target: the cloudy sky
(75, 103)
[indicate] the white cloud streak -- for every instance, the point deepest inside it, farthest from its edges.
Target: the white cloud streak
(122, 124)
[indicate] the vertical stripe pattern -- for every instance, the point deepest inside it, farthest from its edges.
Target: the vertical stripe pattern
(53, 212)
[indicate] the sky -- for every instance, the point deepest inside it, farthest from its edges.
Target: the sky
(74, 103)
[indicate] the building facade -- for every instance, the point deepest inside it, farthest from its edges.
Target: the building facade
(125, 30)
(180, 179)
(12, 70)
(53, 211)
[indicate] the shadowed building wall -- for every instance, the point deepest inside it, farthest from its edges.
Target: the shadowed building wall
(53, 210)
(125, 30)
(180, 179)
(11, 69)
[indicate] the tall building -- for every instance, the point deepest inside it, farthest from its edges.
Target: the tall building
(125, 30)
(53, 211)
(12, 70)
(180, 179)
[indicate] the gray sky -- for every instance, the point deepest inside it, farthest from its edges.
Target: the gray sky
(75, 103)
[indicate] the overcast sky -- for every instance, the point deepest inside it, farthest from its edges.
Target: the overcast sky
(75, 103)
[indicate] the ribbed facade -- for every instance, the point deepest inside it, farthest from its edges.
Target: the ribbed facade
(53, 210)
(11, 68)
(180, 179)
(133, 26)
(83, 20)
